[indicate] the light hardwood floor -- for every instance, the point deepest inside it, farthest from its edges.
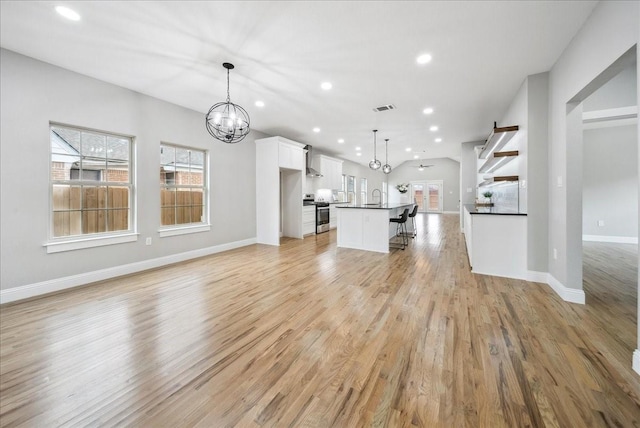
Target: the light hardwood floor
(307, 334)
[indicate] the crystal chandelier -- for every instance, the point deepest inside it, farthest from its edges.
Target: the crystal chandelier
(226, 121)
(386, 168)
(375, 163)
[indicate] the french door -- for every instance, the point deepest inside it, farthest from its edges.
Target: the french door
(434, 196)
(419, 195)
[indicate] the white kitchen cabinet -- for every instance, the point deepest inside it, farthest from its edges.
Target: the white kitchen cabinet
(308, 220)
(331, 170)
(333, 216)
(290, 157)
(280, 180)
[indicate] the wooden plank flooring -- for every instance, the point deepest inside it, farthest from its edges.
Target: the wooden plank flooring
(307, 334)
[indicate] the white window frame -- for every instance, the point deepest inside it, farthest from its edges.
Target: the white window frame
(363, 190)
(90, 240)
(196, 227)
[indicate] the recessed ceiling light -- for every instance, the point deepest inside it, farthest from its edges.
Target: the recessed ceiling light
(423, 59)
(416, 157)
(438, 140)
(358, 148)
(326, 86)
(316, 129)
(428, 110)
(70, 14)
(408, 149)
(433, 128)
(341, 141)
(358, 154)
(259, 103)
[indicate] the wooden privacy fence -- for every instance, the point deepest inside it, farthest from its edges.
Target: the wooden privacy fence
(180, 206)
(81, 210)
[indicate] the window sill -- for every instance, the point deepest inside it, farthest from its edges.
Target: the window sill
(185, 230)
(81, 243)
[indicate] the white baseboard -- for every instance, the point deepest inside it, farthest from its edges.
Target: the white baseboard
(535, 276)
(451, 212)
(636, 361)
(58, 284)
(615, 239)
(567, 294)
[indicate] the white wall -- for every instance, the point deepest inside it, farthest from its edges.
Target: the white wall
(468, 175)
(610, 180)
(445, 169)
(34, 93)
(620, 91)
(610, 31)
(537, 173)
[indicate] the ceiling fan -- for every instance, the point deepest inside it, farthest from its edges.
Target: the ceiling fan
(421, 167)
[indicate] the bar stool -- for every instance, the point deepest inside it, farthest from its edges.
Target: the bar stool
(412, 216)
(401, 229)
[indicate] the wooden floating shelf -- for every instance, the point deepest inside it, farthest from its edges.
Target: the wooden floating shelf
(497, 139)
(498, 160)
(498, 180)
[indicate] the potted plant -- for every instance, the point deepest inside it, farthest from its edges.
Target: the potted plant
(488, 195)
(403, 187)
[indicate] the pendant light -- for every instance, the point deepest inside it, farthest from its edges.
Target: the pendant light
(375, 163)
(386, 168)
(226, 121)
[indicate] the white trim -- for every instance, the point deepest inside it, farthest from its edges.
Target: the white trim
(96, 241)
(512, 276)
(636, 361)
(451, 212)
(567, 294)
(534, 276)
(31, 290)
(184, 230)
(610, 114)
(616, 239)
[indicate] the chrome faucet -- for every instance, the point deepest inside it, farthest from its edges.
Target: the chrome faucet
(373, 193)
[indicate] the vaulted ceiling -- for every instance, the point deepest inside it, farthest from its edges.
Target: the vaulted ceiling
(481, 53)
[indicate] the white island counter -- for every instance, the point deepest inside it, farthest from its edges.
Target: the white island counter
(367, 227)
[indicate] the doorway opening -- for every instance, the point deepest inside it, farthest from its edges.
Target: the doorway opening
(602, 203)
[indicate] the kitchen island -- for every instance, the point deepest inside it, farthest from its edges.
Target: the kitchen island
(496, 241)
(367, 226)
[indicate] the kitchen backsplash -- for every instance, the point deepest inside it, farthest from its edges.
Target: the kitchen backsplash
(505, 196)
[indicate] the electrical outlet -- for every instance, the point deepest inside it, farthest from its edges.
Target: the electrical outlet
(148, 241)
(469, 190)
(600, 223)
(559, 181)
(555, 254)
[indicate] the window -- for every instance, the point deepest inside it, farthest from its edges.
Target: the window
(351, 189)
(342, 194)
(91, 183)
(363, 190)
(183, 191)
(384, 192)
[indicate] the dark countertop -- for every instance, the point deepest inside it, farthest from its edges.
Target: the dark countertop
(376, 206)
(490, 210)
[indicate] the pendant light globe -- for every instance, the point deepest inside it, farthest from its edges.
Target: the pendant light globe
(386, 168)
(375, 164)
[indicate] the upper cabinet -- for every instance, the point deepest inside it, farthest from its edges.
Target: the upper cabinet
(289, 156)
(331, 170)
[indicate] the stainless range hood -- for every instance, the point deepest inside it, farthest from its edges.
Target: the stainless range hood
(310, 171)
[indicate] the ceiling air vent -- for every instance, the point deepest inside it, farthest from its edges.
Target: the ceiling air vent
(385, 107)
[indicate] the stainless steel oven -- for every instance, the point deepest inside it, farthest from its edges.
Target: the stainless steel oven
(322, 217)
